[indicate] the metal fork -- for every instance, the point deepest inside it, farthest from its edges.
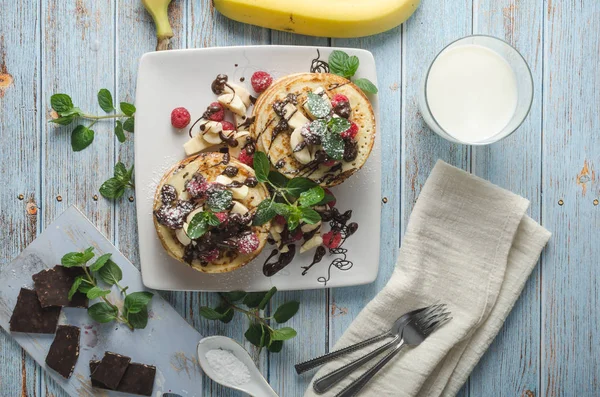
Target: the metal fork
(394, 332)
(415, 332)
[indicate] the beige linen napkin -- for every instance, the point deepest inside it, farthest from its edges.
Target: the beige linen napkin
(468, 244)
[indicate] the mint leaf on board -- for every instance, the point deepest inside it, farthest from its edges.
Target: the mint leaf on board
(257, 335)
(100, 262)
(85, 287)
(110, 273)
(210, 314)
(97, 292)
(318, 106)
(261, 166)
(129, 124)
(63, 120)
(286, 311)
(233, 296)
(283, 333)
(312, 196)
(61, 103)
(253, 299)
(121, 172)
(366, 86)
(73, 112)
(275, 346)
(296, 186)
(102, 312)
(112, 188)
(136, 301)
(138, 320)
(265, 300)
(127, 108)
(338, 125)
(105, 100)
(119, 131)
(197, 226)
(333, 144)
(219, 200)
(77, 258)
(81, 137)
(227, 313)
(337, 62)
(75, 286)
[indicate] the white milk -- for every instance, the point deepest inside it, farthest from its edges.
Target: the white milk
(471, 92)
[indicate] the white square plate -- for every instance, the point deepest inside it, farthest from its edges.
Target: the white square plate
(171, 79)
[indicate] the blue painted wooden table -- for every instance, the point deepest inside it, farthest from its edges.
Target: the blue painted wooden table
(548, 346)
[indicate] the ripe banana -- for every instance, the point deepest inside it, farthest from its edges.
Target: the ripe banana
(327, 18)
(159, 11)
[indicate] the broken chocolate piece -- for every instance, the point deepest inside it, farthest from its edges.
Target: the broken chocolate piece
(53, 285)
(138, 379)
(111, 369)
(64, 351)
(29, 315)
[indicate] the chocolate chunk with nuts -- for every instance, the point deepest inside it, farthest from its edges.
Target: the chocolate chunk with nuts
(52, 287)
(111, 369)
(29, 315)
(64, 351)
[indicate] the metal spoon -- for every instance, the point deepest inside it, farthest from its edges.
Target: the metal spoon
(257, 386)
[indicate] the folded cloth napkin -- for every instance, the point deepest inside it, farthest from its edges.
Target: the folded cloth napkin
(468, 244)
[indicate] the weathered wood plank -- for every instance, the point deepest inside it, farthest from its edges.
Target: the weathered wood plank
(20, 154)
(312, 336)
(571, 157)
(78, 59)
(511, 366)
(207, 28)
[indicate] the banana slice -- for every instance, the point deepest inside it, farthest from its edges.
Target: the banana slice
(239, 193)
(233, 103)
(239, 208)
(321, 92)
(297, 120)
(178, 180)
(239, 119)
(240, 137)
(182, 236)
(192, 214)
(307, 227)
(296, 139)
(240, 91)
(314, 242)
(211, 132)
(196, 145)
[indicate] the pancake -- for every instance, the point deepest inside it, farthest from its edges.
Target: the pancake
(278, 144)
(187, 189)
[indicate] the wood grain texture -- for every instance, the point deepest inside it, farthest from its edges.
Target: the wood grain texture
(19, 164)
(517, 368)
(571, 158)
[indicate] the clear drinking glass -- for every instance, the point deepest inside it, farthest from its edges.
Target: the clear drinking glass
(522, 75)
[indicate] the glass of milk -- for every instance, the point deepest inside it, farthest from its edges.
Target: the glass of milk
(477, 91)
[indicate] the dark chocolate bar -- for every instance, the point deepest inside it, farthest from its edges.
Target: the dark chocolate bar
(64, 351)
(29, 315)
(53, 285)
(111, 369)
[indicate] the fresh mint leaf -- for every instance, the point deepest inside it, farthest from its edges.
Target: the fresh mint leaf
(253, 299)
(73, 112)
(227, 313)
(265, 300)
(309, 215)
(219, 200)
(212, 219)
(110, 273)
(197, 226)
(338, 125)
(366, 86)
(233, 296)
(293, 217)
(351, 66)
(210, 314)
(283, 333)
(265, 211)
(256, 335)
(61, 103)
(312, 196)
(277, 179)
(337, 62)
(100, 262)
(333, 144)
(136, 301)
(105, 100)
(318, 127)
(81, 137)
(75, 286)
(121, 172)
(327, 199)
(63, 120)
(102, 312)
(129, 124)
(261, 166)
(127, 108)
(119, 131)
(138, 320)
(275, 346)
(96, 292)
(286, 311)
(85, 287)
(112, 188)
(283, 209)
(296, 186)
(77, 258)
(318, 106)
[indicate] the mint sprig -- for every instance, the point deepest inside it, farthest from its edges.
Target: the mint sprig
(200, 224)
(291, 199)
(134, 313)
(260, 332)
(114, 187)
(344, 65)
(82, 136)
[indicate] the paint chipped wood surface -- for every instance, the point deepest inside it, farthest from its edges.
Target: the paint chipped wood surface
(546, 348)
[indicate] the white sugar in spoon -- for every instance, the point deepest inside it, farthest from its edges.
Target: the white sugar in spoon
(257, 386)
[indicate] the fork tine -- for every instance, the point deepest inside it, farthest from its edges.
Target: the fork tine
(437, 322)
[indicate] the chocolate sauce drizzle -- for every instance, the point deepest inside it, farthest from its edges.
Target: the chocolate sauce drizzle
(319, 66)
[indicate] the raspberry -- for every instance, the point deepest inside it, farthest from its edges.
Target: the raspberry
(332, 239)
(210, 255)
(217, 112)
(337, 99)
(279, 219)
(197, 186)
(351, 132)
(329, 163)
(297, 234)
(246, 158)
(222, 216)
(261, 81)
(248, 243)
(180, 117)
(227, 126)
(330, 204)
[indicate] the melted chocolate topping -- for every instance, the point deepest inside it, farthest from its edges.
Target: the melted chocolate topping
(270, 269)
